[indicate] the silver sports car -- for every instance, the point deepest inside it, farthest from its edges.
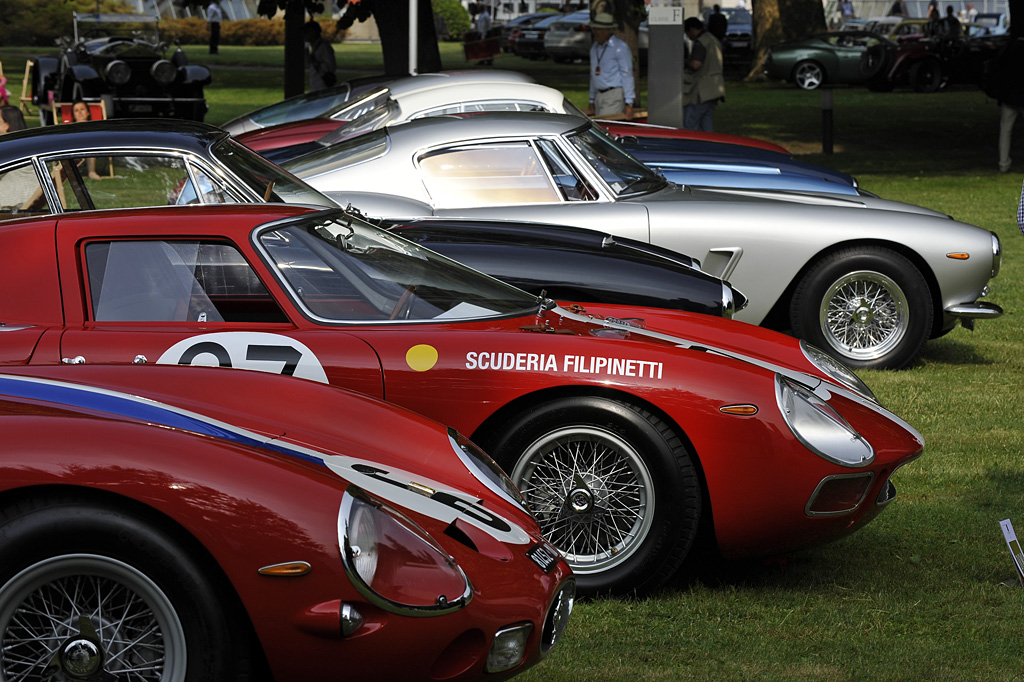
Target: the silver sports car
(869, 279)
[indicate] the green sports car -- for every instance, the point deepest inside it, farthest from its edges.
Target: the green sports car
(826, 58)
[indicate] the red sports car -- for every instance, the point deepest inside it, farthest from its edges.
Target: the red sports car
(174, 524)
(630, 431)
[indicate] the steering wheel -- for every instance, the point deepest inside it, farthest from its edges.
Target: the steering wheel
(403, 302)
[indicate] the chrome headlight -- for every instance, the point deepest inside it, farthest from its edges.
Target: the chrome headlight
(819, 427)
(837, 370)
(486, 470)
(394, 563)
(163, 72)
(118, 72)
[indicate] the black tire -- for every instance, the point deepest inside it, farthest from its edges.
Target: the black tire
(874, 62)
(626, 459)
(808, 75)
(868, 306)
(926, 75)
(65, 556)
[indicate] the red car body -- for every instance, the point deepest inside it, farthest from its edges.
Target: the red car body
(690, 406)
(244, 478)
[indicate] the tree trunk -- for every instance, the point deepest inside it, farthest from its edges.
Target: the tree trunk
(1016, 9)
(294, 49)
(393, 24)
(776, 21)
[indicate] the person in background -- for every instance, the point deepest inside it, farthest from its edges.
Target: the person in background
(214, 15)
(612, 89)
(846, 10)
(718, 24)
(1020, 211)
(950, 25)
(79, 114)
(5, 94)
(11, 119)
(483, 21)
(322, 65)
(703, 80)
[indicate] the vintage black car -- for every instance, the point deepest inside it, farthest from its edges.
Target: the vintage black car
(45, 171)
(120, 60)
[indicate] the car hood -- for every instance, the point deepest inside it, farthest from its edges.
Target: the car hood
(793, 197)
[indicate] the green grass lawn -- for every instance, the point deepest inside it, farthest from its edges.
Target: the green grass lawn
(915, 595)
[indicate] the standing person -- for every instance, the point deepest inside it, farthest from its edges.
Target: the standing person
(612, 90)
(214, 15)
(846, 10)
(1020, 211)
(703, 81)
(322, 65)
(950, 25)
(483, 21)
(718, 24)
(1006, 86)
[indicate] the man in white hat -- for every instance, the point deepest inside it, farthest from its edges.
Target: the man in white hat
(611, 71)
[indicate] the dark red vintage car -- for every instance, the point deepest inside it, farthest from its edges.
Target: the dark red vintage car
(630, 431)
(175, 524)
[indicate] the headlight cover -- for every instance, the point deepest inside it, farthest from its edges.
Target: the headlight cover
(486, 470)
(118, 72)
(819, 427)
(394, 563)
(837, 370)
(163, 72)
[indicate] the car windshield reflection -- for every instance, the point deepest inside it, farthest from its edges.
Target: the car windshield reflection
(340, 269)
(266, 179)
(624, 174)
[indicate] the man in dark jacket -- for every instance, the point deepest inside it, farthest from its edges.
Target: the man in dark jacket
(718, 24)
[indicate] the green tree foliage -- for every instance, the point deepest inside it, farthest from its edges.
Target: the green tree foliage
(43, 22)
(453, 21)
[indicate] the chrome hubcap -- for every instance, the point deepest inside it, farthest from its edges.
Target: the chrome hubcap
(864, 315)
(592, 495)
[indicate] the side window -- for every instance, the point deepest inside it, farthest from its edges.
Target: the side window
(21, 193)
(497, 174)
(572, 186)
(175, 281)
(122, 181)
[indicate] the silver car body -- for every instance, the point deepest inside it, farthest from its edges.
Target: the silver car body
(764, 242)
(569, 37)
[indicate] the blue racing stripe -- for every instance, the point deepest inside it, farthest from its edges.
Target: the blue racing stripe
(141, 409)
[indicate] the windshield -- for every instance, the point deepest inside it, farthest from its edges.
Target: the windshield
(623, 173)
(367, 121)
(361, 105)
(309, 105)
(264, 178)
(341, 269)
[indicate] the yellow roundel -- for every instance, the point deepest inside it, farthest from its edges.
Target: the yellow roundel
(421, 357)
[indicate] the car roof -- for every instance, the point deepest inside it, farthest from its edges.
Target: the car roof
(435, 130)
(431, 80)
(454, 93)
(188, 136)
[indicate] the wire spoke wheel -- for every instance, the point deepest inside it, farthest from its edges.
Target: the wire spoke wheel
(864, 315)
(81, 616)
(592, 494)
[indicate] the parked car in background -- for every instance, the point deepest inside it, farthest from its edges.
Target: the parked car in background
(868, 280)
(930, 64)
(629, 430)
(119, 59)
(825, 59)
(568, 38)
(529, 42)
(738, 42)
(193, 163)
(510, 29)
(404, 100)
(305, 106)
(997, 23)
(156, 522)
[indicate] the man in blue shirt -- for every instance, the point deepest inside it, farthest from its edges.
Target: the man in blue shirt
(611, 71)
